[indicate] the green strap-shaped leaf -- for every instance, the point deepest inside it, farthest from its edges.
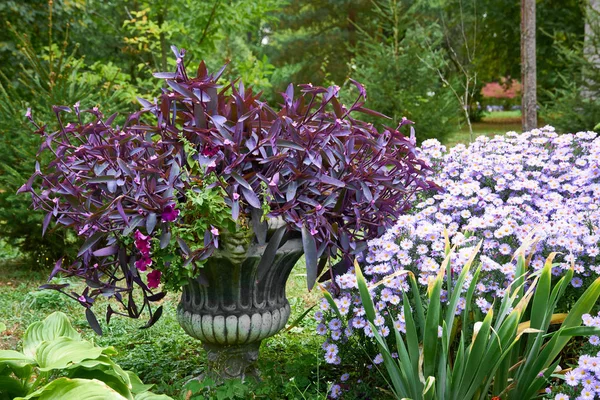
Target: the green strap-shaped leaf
(429, 390)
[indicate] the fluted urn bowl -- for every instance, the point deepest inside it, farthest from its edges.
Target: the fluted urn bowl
(237, 302)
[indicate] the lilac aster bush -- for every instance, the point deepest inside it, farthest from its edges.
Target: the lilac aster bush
(498, 191)
(153, 197)
(582, 381)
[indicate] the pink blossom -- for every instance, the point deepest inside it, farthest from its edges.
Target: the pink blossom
(170, 213)
(143, 262)
(154, 279)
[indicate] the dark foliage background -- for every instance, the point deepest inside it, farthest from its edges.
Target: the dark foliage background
(104, 53)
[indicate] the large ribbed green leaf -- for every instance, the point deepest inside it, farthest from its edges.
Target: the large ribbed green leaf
(75, 389)
(63, 352)
(54, 326)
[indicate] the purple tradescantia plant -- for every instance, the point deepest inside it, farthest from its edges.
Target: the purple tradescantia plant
(332, 178)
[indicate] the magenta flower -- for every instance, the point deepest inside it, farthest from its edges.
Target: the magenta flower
(209, 151)
(142, 243)
(143, 262)
(214, 231)
(170, 213)
(154, 279)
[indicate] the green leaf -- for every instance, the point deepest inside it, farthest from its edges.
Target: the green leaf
(396, 374)
(579, 331)
(429, 389)
(108, 376)
(137, 386)
(365, 296)
(152, 396)
(11, 387)
(15, 359)
(475, 356)
(332, 304)
(432, 321)
(63, 352)
(75, 389)
(583, 305)
(54, 326)
(412, 342)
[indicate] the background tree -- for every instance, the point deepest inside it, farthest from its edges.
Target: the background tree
(528, 65)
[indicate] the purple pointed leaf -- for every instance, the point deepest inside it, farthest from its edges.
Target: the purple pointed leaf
(371, 112)
(250, 197)
(235, 209)
(145, 103)
(109, 313)
(267, 258)
(165, 75)
(46, 222)
(240, 180)
(93, 321)
(332, 181)
(310, 256)
(106, 251)
(180, 89)
(91, 241)
(102, 179)
(290, 193)
(290, 145)
(184, 247)
(157, 297)
(122, 213)
(155, 317)
(150, 222)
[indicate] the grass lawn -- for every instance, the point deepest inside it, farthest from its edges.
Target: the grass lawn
(290, 362)
(492, 124)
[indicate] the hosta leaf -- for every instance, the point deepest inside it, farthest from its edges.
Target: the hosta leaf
(63, 352)
(75, 389)
(15, 359)
(56, 325)
(11, 387)
(151, 396)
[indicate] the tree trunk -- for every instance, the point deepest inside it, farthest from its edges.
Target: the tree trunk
(528, 66)
(591, 46)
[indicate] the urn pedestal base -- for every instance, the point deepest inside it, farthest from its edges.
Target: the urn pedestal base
(235, 361)
(239, 301)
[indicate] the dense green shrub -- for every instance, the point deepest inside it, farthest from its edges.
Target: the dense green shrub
(574, 103)
(48, 78)
(570, 109)
(398, 76)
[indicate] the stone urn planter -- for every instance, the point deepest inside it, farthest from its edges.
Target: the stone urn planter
(238, 301)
